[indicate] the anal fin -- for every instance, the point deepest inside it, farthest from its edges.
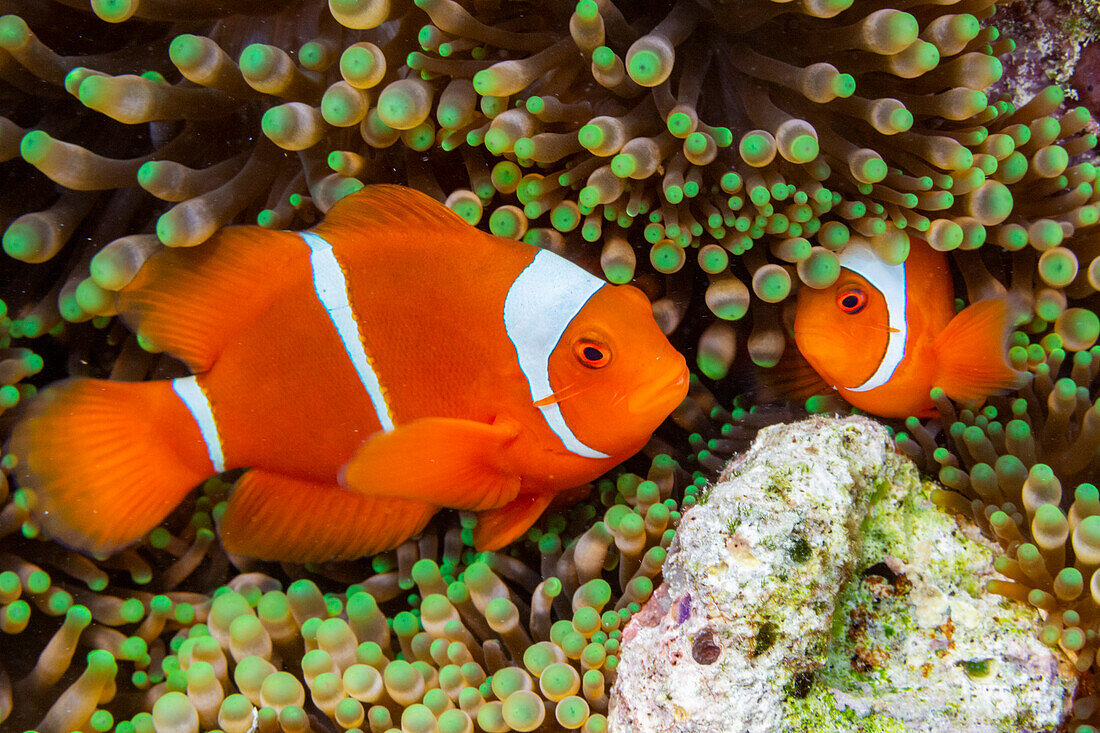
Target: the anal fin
(275, 517)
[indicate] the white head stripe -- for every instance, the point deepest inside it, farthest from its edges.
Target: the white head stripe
(540, 305)
(332, 291)
(194, 399)
(890, 281)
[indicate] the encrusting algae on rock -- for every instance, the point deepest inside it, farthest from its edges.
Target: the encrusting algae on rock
(719, 155)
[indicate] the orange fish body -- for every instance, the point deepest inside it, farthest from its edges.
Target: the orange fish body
(884, 335)
(389, 362)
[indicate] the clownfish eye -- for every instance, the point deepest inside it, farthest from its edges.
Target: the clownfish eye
(851, 300)
(592, 354)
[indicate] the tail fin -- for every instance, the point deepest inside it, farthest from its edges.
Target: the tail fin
(973, 349)
(107, 460)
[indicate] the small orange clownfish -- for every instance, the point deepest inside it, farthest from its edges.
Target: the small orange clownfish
(884, 335)
(390, 361)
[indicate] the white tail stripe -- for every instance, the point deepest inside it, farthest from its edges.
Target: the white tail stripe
(890, 281)
(195, 400)
(541, 303)
(332, 290)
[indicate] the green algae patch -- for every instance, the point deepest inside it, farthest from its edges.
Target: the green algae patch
(916, 641)
(820, 713)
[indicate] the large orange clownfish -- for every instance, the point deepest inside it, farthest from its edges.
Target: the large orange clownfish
(884, 335)
(390, 361)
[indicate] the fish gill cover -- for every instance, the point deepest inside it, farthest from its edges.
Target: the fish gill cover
(755, 138)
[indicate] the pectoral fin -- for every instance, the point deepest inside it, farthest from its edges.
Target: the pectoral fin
(792, 378)
(444, 461)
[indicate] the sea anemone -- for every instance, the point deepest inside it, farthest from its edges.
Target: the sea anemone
(730, 133)
(504, 640)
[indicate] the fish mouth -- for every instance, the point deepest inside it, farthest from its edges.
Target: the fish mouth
(665, 394)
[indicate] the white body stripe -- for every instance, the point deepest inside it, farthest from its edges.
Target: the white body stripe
(540, 305)
(194, 399)
(890, 281)
(332, 291)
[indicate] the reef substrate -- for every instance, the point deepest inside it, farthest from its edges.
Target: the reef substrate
(816, 587)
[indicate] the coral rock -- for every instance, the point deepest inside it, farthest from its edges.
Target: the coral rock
(818, 588)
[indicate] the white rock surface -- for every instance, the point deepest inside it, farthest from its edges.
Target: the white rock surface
(818, 589)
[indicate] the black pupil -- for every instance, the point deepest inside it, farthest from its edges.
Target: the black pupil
(850, 301)
(591, 353)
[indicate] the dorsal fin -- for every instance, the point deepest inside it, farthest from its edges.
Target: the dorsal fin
(386, 213)
(189, 301)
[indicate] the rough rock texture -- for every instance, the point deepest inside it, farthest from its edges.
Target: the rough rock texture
(817, 588)
(1049, 35)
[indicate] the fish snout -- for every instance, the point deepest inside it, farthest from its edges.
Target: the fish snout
(661, 395)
